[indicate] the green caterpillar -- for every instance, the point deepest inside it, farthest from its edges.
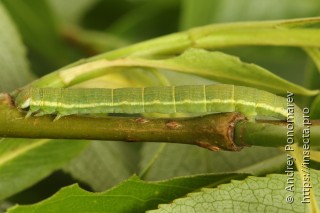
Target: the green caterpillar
(170, 99)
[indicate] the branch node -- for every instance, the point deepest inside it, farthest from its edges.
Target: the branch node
(6, 99)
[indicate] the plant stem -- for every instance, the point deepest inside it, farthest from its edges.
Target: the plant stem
(212, 132)
(270, 133)
(227, 131)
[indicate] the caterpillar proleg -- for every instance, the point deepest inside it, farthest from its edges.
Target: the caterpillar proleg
(169, 99)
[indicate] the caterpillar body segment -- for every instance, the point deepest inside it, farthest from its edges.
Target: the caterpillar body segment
(170, 99)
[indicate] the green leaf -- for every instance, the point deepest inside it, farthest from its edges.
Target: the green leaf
(226, 69)
(162, 161)
(211, 65)
(95, 41)
(223, 35)
(132, 195)
(229, 69)
(39, 30)
(311, 77)
(14, 69)
(196, 13)
(254, 194)
(314, 54)
(75, 11)
(104, 164)
(202, 12)
(24, 162)
(315, 108)
(147, 15)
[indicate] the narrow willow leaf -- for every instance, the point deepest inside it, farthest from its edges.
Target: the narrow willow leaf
(76, 9)
(315, 156)
(254, 194)
(147, 15)
(315, 108)
(225, 68)
(163, 161)
(39, 29)
(208, 37)
(95, 41)
(178, 42)
(197, 13)
(249, 37)
(104, 164)
(124, 77)
(14, 69)
(314, 54)
(215, 66)
(132, 195)
(24, 162)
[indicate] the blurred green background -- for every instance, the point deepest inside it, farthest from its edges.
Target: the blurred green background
(59, 32)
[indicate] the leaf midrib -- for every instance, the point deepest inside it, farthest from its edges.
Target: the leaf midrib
(18, 152)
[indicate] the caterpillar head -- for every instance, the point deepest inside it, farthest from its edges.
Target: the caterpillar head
(22, 101)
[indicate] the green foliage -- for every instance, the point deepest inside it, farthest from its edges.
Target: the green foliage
(254, 194)
(202, 12)
(104, 164)
(40, 31)
(137, 195)
(226, 69)
(315, 108)
(162, 161)
(264, 55)
(14, 66)
(24, 162)
(215, 66)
